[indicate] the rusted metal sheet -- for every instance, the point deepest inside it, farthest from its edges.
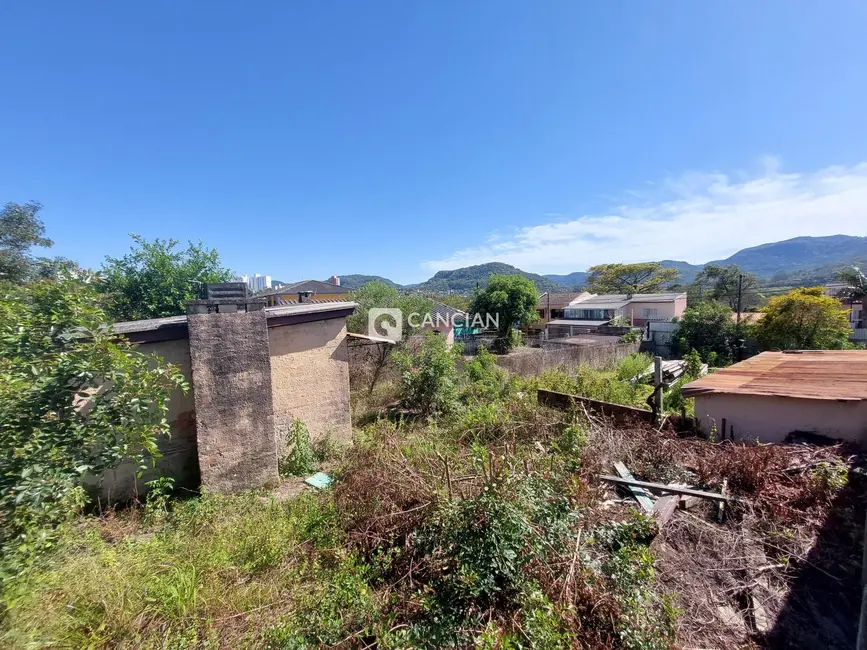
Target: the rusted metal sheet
(839, 375)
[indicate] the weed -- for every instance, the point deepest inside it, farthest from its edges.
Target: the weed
(301, 459)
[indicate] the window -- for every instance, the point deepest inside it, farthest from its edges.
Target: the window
(651, 312)
(557, 313)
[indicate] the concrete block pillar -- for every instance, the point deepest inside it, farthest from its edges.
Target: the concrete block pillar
(231, 372)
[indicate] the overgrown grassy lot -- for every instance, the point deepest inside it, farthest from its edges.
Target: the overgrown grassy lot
(472, 518)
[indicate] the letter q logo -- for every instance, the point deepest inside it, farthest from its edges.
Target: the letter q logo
(385, 322)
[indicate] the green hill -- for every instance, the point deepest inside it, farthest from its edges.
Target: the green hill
(466, 279)
(357, 280)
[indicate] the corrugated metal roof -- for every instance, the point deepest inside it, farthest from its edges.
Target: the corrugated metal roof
(558, 300)
(317, 286)
(821, 374)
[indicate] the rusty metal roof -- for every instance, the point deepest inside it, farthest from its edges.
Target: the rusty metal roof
(809, 374)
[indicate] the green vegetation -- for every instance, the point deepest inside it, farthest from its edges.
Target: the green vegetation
(513, 300)
(381, 295)
(157, 279)
(727, 285)
(644, 277)
(357, 281)
(20, 230)
(804, 319)
(73, 402)
(454, 531)
(301, 458)
(471, 278)
(708, 328)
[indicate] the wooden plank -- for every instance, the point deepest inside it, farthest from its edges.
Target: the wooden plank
(659, 487)
(665, 507)
(640, 495)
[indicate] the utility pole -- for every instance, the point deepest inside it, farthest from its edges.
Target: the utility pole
(740, 291)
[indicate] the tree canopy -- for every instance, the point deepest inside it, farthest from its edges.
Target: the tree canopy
(382, 295)
(73, 402)
(512, 299)
(708, 329)
(803, 319)
(643, 277)
(720, 283)
(157, 279)
(856, 282)
(20, 230)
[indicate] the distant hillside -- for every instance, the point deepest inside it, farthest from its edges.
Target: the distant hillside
(687, 271)
(799, 254)
(356, 280)
(573, 280)
(465, 280)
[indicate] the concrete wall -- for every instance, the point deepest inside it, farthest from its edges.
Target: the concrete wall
(529, 362)
(179, 460)
(233, 398)
(310, 379)
(771, 419)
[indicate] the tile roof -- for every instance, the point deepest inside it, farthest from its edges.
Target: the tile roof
(814, 374)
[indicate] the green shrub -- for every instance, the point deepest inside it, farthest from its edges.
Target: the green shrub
(73, 402)
(430, 378)
(300, 460)
(633, 366)
(485, 380)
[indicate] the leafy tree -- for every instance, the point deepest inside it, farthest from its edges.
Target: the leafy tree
(708, 329)
(20, 230)
(856, 281)
(513, 299)
(804, 319)
(73, 402)
(720, 283)
(644, 277)
(382, 295)
(157, 279)
(430, 376)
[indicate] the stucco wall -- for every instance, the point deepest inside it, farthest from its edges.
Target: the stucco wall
(665, 311)
(310, 379)
(771, 419)
(179, 459)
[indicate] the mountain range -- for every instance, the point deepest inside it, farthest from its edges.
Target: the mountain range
(802, 260)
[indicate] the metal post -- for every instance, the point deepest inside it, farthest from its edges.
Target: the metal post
(657, 383)
(740, 289)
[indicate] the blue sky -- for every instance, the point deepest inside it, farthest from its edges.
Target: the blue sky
(395, 138)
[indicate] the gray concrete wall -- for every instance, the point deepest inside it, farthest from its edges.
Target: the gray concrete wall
(529, 362)
(234, 410)
(310, 379)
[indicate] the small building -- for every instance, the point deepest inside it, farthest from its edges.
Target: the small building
(252, 371)
(774, 394)
(315, 289)
(448, 321)
(552, 306)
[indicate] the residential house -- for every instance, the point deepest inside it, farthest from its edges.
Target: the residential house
(774, 394)
(552, 306)
(313, 289)
(586, 312)
(857, 319)
(448, 321)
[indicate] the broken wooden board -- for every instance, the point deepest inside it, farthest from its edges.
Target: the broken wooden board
(638, 494)
(659, 487)
(664, 508)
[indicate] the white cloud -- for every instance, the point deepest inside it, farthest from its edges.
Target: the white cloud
(696, 217)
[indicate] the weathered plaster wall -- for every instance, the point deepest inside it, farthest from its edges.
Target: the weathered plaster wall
(234, 414)
(179, 459)
(771, 419)
(310, 378)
